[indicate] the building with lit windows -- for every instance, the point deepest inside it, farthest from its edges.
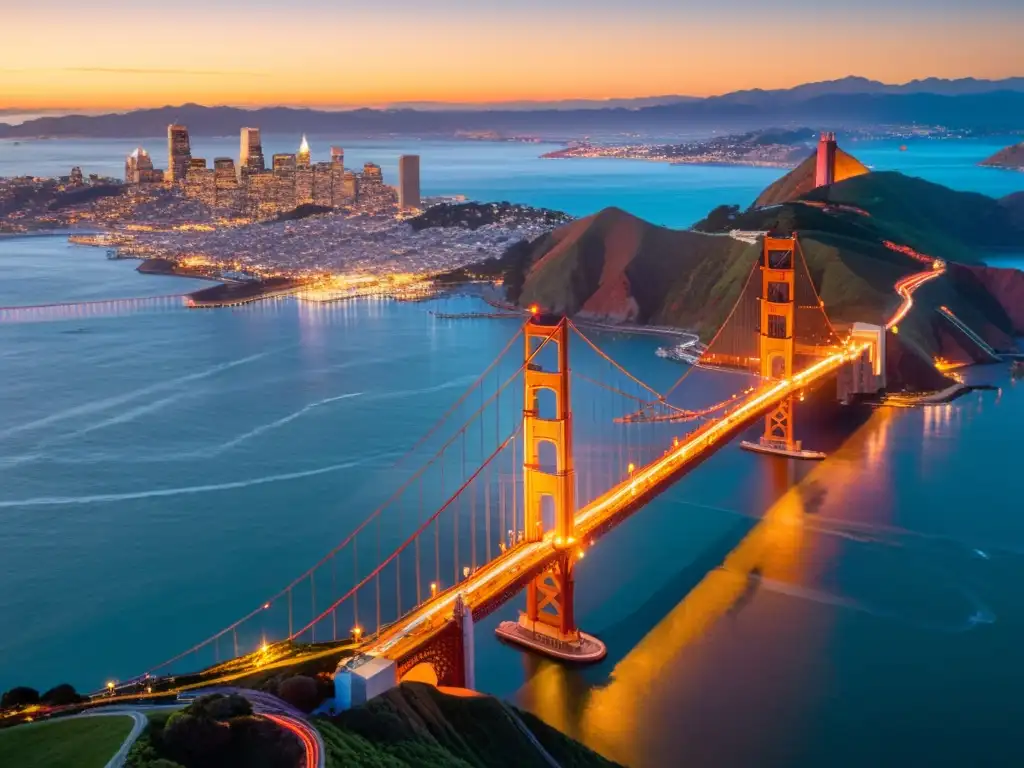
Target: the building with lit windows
(302, 159)
(284, 162)
(179, 152)
(138, 169)
(250, 154)
(409, 182)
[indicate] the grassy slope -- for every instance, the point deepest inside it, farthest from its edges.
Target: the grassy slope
(84, 742)
(691, 279)
(801, 179)
(417, 726)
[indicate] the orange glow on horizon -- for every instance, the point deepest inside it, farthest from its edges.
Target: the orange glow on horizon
(267, 55)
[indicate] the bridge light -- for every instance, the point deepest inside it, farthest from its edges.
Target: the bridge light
(896, 329)
(465, 571)
(357, 632)
(579, 555)
(433, 589)
(534, 309)
(266, 606)
(631, 467)
(110, 686)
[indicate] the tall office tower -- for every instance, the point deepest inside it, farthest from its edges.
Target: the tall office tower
(135, 162)
(303, 185)
(350, 186)
(409, 182)
(825, 171)
(75, 179)
(302, 158)
(225, 182)
(323, 187)
(138, 169)
(179, 152)
(196, 164)
(338, 158)
(250, 155)
(224, 170)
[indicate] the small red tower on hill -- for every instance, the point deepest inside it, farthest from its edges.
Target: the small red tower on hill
(826, 171)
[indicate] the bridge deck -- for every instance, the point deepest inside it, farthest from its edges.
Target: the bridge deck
(495, 583)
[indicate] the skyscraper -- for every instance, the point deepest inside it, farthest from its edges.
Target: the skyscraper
(250, 155)
(302, 158)
(224, 169)
(409, 182)
(338, 158)
(179, 152)
(138, 168)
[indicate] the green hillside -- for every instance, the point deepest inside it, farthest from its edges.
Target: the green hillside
(616, 267)
(417, 726)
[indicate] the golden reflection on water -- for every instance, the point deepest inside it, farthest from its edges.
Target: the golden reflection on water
(613, 718)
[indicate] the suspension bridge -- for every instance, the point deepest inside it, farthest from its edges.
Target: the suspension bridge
(535, 461)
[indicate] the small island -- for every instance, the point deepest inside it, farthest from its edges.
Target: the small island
(1011, 158)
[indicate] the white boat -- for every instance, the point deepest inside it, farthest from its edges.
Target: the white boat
(795, 452)
(687, 352)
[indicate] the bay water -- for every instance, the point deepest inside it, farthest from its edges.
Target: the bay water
(162, 472)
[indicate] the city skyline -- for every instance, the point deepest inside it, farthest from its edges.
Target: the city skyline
(462, 53)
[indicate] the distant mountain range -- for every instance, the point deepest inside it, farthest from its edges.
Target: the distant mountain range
(851, 102)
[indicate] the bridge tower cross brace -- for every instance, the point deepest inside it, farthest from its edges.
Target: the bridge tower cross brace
(776, 336)
(549, 596)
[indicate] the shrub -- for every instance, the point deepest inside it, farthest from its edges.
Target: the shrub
(301, 692)
(61, 695)
(196, 740)
(221, 707)
(22, 696)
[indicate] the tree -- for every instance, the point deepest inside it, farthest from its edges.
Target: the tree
(301, 692)
(61, 695)
(196, 740)
(221, 707)
(19, 697)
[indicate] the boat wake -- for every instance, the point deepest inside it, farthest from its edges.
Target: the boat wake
(102, 498)
(105, 404)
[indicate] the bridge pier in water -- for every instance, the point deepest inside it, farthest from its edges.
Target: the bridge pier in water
(548, 626)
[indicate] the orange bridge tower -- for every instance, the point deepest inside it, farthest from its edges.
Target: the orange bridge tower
(776, 344)
(549, 500)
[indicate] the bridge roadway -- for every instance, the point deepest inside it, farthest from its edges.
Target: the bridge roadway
(498, 581)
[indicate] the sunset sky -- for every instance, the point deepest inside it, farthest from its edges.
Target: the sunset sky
(128, 53)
